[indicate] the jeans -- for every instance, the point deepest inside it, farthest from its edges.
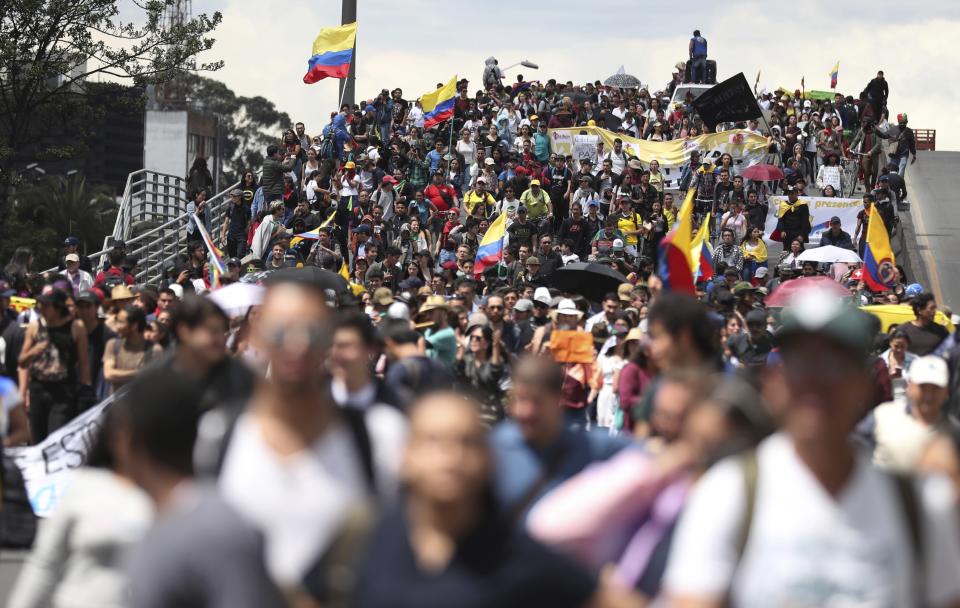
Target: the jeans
(698, 70)
(52, 405)
(236, 247)
(902, 164)
(750, 268)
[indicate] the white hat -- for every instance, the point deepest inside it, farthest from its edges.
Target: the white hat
(929, 370)
(489, 161)
(567, 307)
(398, 310)
(807, 103)
(761, 272)
(617, 244)
(542, 295)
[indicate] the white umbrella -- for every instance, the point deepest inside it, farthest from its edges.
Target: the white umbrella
(829, 254)
(236, 298)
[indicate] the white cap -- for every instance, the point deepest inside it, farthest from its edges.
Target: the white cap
(542, 295)
(618, 243)
(929, 370)
(523, 305)
(398, 310)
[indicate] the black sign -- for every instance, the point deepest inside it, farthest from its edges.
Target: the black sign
(730, 101)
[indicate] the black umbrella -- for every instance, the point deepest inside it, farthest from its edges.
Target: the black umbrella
(589, 279)
(623, 81)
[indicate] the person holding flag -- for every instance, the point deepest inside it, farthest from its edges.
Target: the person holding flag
(438, 104)
(880, 270)
(676, 258)
(490, 251)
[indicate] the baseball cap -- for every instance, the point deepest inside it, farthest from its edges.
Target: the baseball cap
(6, 291)
(757, 316)
(534, 260)
(389, 179)
(236, 192)
(88, 296)
(521, 209)
(625, 292)
(362, 229)
(398, 310)
(534, 182)
(618, 244)
(523, 305)
(71, 240)
(234, 262)
(350, 165)
(489, 161)
(929, 370)
(742, 287)
(383, 296)
(835, 220)
(820, 313)
(411, 284)
(761, 272)
(71, 257)
(542, 296)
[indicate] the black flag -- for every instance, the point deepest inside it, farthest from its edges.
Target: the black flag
(730, 101)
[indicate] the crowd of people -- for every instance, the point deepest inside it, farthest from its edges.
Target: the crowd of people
(394, 421)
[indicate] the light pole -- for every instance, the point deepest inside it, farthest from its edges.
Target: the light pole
(349, 15)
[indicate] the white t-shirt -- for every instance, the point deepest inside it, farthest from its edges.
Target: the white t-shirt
(298, 502)
(900, 437)
(806, 548)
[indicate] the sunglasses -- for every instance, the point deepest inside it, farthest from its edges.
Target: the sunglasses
(309, 336)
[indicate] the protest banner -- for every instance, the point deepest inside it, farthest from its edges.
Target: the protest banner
(821, 210)
(585, 146)
(745, 147)
(47, 466)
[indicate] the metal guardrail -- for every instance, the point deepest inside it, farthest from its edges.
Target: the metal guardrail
(152, 221)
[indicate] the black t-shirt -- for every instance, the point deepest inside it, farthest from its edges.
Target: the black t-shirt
(520, 234)
(577, 231)
(493, 567)
(924, 340)
(239, 217)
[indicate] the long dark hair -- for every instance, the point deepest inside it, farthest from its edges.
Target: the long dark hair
(199, 166)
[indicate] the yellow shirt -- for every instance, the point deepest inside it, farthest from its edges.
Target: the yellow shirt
(536, 206)
(656, 180)
(473, 198)
(631, 223)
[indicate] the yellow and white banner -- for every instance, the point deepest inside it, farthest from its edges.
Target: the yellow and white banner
(745, 147)
(821, 210)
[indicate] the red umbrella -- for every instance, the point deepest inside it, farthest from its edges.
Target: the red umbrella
(762, 173)
(787, 291)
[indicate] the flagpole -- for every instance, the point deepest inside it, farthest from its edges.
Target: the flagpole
(348, 14)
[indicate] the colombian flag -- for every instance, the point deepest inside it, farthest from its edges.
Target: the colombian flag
(332, 53)
(701, 254)
(438, 104)
(312, 234)
(879, 266)
(833, 75)
(490, 251)
(676, 259)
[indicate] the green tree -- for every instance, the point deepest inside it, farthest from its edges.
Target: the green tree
(51, 49)
(48, 210)
(249, 124)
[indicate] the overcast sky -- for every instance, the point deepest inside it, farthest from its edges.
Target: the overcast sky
(415, 44)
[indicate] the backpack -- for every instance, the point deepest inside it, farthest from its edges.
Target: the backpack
(48, 366)
(111, 280)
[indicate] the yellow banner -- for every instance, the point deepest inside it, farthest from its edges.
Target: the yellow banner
(21, 304)
(745, 147)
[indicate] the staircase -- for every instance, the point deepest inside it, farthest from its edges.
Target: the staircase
(152, 221)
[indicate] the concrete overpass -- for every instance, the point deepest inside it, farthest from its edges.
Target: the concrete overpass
(932, 227)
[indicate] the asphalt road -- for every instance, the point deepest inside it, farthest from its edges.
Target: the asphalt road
(932, 236)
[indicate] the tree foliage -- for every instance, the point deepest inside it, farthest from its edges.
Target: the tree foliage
(51, 49)
(47, 210)
(249, 124)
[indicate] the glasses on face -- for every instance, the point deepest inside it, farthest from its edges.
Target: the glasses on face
(476, 337)
(297, 335)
